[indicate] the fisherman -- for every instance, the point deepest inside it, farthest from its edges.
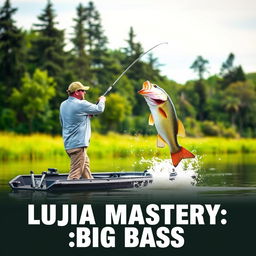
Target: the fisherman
(75, 114)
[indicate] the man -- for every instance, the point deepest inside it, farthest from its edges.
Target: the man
(75, 113)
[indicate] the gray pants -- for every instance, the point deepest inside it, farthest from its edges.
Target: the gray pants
(79, 165)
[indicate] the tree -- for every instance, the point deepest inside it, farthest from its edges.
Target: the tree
(116, 110)
(8, 119)
(186, 108)
(227, 66)
(96, 40)
(152, 68)
(133, 51)
(244, 93)
(137, 73)
(81, 59)
(232, 106)
(230, 73)
(11, 52)
(32, 99)
(47, 51)
(199, 66)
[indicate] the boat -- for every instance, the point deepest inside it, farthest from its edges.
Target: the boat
(53, 181)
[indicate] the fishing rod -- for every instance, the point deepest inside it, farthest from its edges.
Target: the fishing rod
(110, 87)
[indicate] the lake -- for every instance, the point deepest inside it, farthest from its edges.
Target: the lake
(230, 176)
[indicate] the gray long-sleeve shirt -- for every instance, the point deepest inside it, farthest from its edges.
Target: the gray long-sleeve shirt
(75, 121)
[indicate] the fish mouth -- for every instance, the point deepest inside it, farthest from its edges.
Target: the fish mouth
(152, 95)
(154, 101)
(143, 92)
(146, 93)
(158, 101)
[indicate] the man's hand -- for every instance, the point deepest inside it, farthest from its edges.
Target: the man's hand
(102, 98)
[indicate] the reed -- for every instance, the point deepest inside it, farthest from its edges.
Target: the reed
(41, 146)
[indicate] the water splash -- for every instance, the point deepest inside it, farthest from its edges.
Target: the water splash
(165, 175)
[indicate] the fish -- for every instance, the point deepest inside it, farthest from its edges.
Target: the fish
(163, 116)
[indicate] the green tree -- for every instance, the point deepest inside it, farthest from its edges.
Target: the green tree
(195, 93)
(186, 108)
(227, 66)
(93, 41)
(245, 95)
(137, 73)
(8, 119)
(200, 66)
(11, 52)
(117, 109)
(94, 31)
(133, 51)
(201, 90)
(251, 77)
(231, 73)
(47, 50)
(232, 106)
(134, 48)
(32, 99)
(152, 68)
(81, 61)
(96, 40)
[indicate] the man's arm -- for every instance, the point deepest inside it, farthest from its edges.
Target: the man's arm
(94, 109)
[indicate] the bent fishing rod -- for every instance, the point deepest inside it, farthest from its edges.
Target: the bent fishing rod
(110, 87)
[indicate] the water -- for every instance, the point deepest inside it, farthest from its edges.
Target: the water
(228, 180)
(222, 176)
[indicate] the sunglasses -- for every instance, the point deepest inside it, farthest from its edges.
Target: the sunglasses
(81, 90)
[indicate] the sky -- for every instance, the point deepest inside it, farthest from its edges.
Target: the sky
(212, 29)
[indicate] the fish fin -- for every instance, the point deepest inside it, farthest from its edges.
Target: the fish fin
(181, 129)
(146, 85)
(151, 120)
(162, 112)
(160, 142)
(182, 154)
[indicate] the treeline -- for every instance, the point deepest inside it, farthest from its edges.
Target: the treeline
(36, 68)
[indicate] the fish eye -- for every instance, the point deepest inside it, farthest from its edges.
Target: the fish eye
(155, 86)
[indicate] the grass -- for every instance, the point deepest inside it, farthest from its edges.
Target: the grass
(41, 146)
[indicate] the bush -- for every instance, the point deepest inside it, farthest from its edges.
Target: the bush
(209, 128)
(229, 133)
(192, 127)
(137, 125)
(8, 119)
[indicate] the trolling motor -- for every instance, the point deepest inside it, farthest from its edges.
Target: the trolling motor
(35, 183)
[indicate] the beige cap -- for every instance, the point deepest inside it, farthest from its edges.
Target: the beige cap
(75, 86)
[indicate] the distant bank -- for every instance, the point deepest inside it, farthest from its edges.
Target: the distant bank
(42, 146)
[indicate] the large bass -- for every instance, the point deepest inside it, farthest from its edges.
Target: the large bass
(163, 115)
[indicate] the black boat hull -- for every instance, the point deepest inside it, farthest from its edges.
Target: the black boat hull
(55, 182)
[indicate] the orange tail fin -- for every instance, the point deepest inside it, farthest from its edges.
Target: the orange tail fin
(182, 154)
